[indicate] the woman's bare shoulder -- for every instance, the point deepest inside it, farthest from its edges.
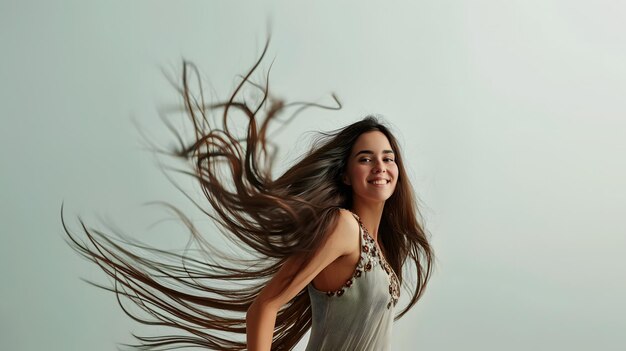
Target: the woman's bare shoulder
(346, 229)
(299, 270)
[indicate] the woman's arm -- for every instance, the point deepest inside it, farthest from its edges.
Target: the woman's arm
(260, 321)
(291, 278)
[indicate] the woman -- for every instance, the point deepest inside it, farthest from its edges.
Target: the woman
(330, 239)
(351, 286)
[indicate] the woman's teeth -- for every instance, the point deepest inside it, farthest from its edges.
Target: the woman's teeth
(379, 182)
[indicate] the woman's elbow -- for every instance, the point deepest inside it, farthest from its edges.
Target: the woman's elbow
(261, 306)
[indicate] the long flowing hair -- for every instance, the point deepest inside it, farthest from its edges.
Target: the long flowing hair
(272, 219)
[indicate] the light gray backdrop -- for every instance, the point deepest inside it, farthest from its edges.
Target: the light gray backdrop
(511, 115)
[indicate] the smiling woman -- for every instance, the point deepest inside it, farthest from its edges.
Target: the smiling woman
(337, 233)
(367, 168)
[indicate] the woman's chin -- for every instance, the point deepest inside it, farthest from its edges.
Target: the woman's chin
(375, 198)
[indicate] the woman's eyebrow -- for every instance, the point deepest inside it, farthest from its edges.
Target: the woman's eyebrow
(370, 152)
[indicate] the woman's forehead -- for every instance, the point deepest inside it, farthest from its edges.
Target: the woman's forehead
(374, 141)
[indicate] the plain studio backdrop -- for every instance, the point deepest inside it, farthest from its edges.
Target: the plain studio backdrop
(510, 115)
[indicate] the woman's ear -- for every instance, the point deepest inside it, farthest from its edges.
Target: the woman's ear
(344, 179)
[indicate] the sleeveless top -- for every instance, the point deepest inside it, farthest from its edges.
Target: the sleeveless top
(359, 315)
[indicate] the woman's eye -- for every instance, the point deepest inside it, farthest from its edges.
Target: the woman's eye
(367, 159)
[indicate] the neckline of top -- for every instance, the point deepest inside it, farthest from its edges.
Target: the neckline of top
(358, 219)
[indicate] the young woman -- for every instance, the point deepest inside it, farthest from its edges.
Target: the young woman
(331, 240)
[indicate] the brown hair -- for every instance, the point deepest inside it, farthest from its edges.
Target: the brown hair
(271, 218)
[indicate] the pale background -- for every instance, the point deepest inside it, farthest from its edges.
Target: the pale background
(511, 115)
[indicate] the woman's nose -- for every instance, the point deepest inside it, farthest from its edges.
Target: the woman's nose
(378, 167)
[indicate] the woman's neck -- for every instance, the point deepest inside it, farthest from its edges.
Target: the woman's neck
(370, 215)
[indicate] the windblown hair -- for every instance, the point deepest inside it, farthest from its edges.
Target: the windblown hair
(270, 218)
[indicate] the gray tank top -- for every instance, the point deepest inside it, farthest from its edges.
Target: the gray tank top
(358, 316)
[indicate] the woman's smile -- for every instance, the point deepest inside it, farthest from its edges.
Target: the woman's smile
(379, 182)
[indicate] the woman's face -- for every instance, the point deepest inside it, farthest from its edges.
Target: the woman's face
(371, 170)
